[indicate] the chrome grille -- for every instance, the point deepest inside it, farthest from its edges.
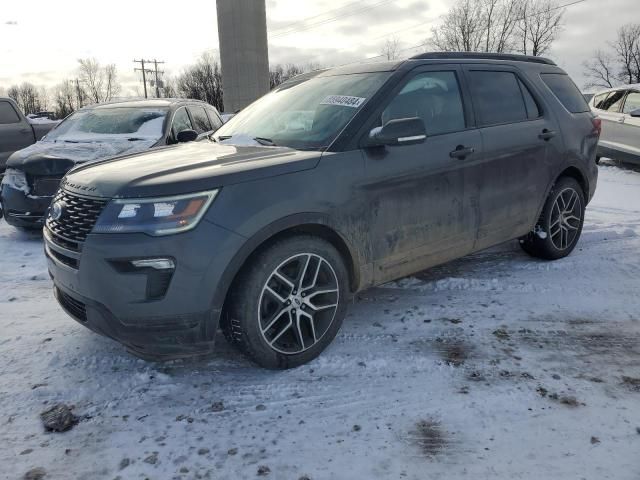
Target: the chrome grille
(79, 216)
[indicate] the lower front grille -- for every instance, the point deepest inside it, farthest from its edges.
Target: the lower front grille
(45, 187)
(74, 307)
(64, 259)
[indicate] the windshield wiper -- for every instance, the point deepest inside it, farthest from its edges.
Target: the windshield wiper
(135, 139)
(222, 138)
(265, 141)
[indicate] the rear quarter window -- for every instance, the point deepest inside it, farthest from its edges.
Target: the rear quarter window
(8, 114)
(566, 92)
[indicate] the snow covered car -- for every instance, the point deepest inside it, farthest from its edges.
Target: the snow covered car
(95, 133)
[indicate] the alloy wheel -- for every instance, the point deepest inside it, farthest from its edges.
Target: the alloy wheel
(566, 219)
(298, 303)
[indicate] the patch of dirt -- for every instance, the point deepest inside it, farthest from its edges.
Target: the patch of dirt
(429, 437)
(454, 352)
(631, 383)
(58, 418)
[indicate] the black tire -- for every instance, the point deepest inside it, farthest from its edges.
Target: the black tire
(545, 242)
(252, 307)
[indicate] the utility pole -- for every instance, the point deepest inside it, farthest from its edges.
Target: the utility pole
(146, 71)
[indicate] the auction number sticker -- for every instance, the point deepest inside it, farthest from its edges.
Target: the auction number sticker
(343, 101)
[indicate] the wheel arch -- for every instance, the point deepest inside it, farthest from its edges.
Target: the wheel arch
(571, 172)
(310, 224)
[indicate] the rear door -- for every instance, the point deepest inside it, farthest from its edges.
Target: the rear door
(630, 127)
(420, 213)
(15, 133)
(521, 141)
(610, 111)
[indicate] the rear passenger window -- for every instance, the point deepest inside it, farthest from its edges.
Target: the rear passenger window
(433, 97)
(632, 102)
(8, 114)
(566, 91)
(533, 111)
(498, 98)
(201, 122)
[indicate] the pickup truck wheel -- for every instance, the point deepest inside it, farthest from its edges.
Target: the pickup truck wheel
(288, 304)
(560, 225)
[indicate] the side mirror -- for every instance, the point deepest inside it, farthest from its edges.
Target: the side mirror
(635, 113)
(402, 131)
(187, 136)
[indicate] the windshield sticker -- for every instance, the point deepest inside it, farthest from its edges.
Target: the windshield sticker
(343, 101)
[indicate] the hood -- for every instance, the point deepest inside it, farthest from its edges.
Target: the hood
(57, 158)
(185, 168)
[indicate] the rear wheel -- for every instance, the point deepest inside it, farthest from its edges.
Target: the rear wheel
(560, 225)
(288, 304)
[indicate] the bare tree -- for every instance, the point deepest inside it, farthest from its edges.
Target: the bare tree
(64, 97)
(281, 73)
(202, 81)
(391, 48)
(539, 24)
(600, 70)
(100, 84)
(627, 48)
(461, 28)
(28, 97)
(500, 18)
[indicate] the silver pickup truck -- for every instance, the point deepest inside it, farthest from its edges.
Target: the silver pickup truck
(17, 131)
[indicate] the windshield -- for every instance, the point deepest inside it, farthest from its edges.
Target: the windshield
(308, 115)
(108, 124)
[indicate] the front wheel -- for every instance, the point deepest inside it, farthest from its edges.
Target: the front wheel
(560, 225)
(288, 304)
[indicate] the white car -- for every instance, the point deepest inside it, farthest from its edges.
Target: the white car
(619, 109)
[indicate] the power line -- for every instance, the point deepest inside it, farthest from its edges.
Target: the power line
(293, 24)
(153, 71)
(332, 19)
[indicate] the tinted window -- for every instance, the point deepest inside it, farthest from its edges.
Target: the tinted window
(8, 114)
(216, 121)
(599, 100)
(632, 102)
(533, 111)
(435, 98)
(181, 121)
(566, 91)
(200, 120)
(614, 101)
(497, 97)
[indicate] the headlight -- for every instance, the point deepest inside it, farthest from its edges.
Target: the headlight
(16, 179)
(154, 216)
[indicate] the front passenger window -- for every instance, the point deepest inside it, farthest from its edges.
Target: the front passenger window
(181, 121)
(433, 97)
(632, 102)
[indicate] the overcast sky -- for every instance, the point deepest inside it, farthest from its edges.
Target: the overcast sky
(41, 40)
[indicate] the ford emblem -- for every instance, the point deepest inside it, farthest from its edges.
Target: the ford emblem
(57, 209)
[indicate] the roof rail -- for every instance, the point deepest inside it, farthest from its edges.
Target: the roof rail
(483, 56)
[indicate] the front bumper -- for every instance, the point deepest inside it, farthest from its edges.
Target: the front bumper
(21, 210)
(92, 286)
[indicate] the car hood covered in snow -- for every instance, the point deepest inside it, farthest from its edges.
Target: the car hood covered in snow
(185, 168)
(57, 158)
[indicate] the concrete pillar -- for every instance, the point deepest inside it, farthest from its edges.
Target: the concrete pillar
(244, 53)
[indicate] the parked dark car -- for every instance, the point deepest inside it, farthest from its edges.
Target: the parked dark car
(94, 133)
(332, 183)
(619, 109)
(17, 131)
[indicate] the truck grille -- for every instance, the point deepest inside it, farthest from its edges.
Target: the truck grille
(79, 215)
(75, 307)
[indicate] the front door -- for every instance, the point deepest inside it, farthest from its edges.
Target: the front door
(420, 213)
(630, 128)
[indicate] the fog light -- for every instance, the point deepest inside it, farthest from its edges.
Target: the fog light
(156, 263)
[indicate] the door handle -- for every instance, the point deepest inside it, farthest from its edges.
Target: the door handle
(461, 152)
(620, 120)
(547, 135)
(24, 130)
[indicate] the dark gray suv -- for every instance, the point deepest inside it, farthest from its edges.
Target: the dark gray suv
(334, 182)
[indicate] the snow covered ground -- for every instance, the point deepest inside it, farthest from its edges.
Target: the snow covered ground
(496, 366)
